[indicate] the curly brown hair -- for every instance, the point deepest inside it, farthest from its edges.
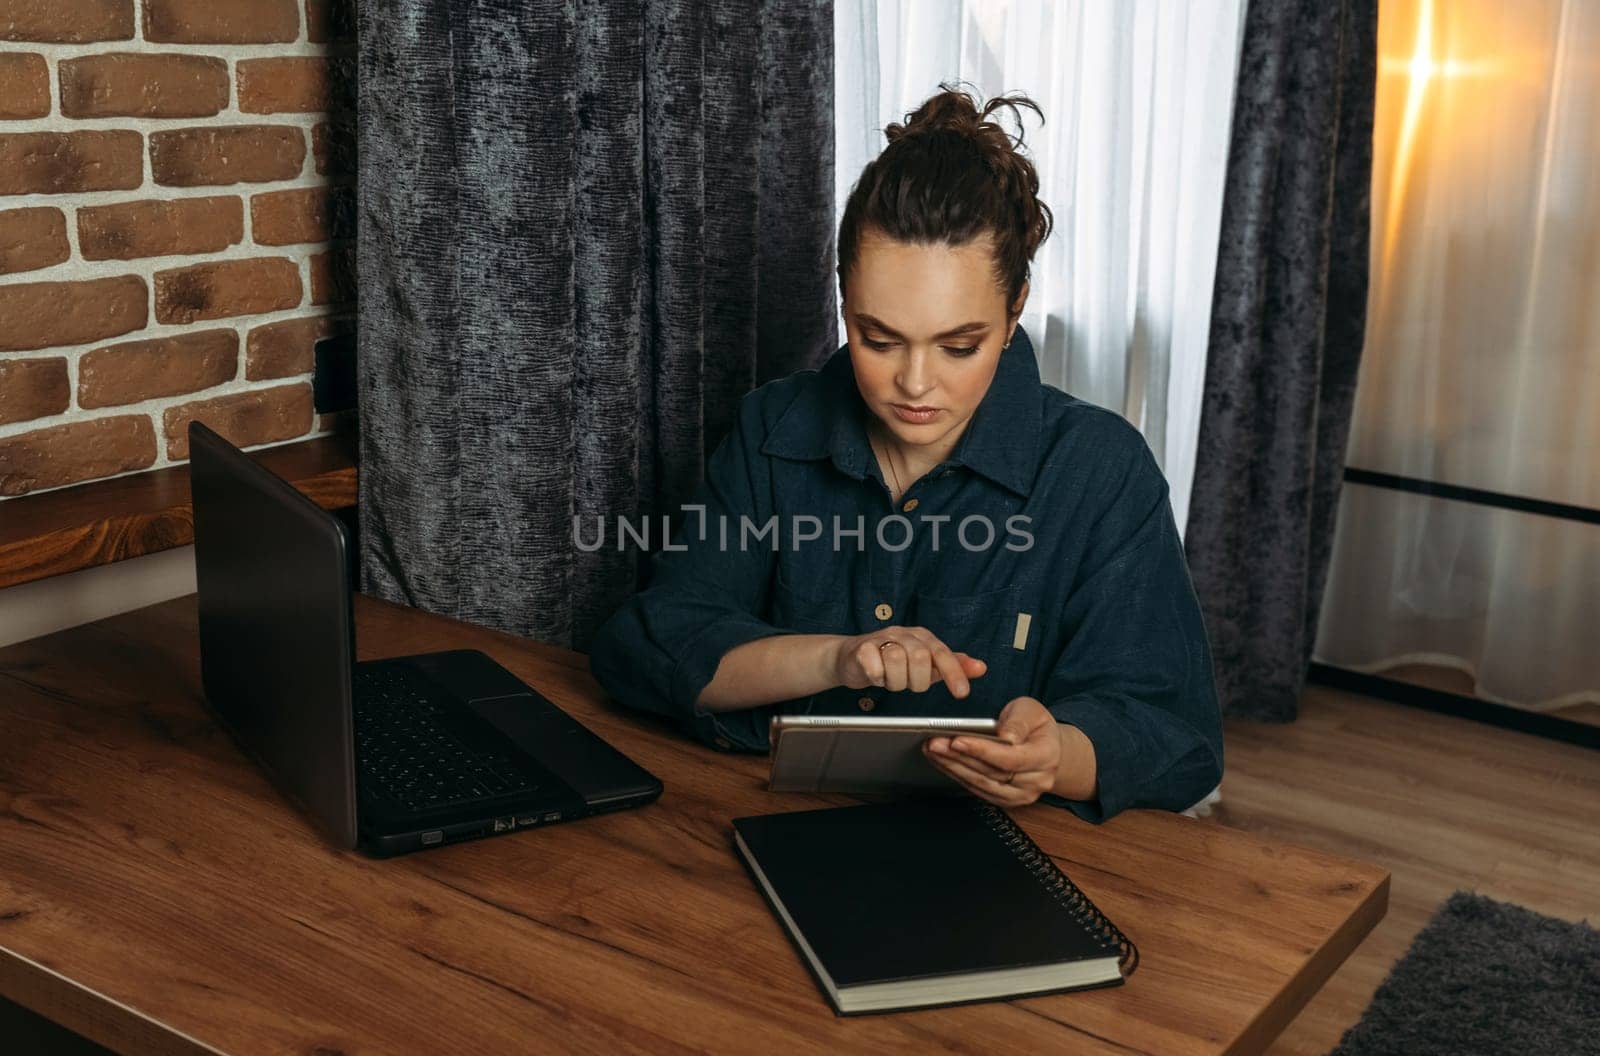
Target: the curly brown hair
(949, 175)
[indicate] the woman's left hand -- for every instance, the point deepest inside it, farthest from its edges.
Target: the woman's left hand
(1013, 771)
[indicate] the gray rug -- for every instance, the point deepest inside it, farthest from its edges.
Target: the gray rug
(1487, 978)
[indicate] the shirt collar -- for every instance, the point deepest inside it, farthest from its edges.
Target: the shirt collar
(1001, 441)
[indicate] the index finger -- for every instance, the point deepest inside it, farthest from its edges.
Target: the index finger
(950, 671)
(948, 662)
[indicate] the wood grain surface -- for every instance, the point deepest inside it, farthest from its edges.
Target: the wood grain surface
(109, 520)
(157, 896)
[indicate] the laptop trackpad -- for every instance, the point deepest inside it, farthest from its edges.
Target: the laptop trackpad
(565, 746)
(468, 674)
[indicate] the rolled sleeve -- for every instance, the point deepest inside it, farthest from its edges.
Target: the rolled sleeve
(1129, 757)
(1136, 675)
(747, 729)
(662, 647)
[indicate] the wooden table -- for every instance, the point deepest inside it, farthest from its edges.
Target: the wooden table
(157, 896)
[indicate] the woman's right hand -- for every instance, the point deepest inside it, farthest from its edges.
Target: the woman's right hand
(914, 659)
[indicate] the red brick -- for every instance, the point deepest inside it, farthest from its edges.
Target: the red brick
(66, 21)
(24, 85)
(129, 85)
(261, 416)
(333, 277)
(281, 350)
(227, 287)
(32, 238)
(62, 162)
(33, 388)
(42, 314)
(221, 21)
(164, 366)
(330, 20)
(293, 85)
(159, 228)
(310, 214)
(67, 454)
(194, 157)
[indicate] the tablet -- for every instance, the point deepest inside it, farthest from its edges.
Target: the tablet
(862, 753)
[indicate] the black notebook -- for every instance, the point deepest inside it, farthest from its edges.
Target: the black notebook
(927, 902)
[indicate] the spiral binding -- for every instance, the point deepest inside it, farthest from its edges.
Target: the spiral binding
(1060, 886)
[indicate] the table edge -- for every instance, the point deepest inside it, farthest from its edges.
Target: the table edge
(1318, 968)
(89, 1013)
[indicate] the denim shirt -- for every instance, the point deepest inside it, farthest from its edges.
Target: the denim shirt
(1081, 597)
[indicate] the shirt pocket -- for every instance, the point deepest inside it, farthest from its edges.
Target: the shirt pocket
(981, 625)
(803, 612)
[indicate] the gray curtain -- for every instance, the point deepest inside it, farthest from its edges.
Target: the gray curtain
(1288, 317)
(586, 229)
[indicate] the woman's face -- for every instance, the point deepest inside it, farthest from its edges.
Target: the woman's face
(925, 325)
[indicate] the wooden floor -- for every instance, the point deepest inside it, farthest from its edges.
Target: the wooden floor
(1443, 803)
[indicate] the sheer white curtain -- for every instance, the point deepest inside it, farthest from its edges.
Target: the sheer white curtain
(1137, 97)
(1482, 361)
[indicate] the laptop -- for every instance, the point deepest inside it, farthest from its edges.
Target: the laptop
(386, 756)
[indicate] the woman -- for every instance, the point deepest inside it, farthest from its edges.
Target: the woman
(944, 534)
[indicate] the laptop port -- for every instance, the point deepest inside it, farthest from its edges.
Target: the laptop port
(431, 838)
(554, 815)
(505, 824)
(523, 821)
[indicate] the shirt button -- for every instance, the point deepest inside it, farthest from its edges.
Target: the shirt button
(724, 743)
(867, 703)
(883, 611)
(910, 505)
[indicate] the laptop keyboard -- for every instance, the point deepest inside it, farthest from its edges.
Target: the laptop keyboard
(408, 754)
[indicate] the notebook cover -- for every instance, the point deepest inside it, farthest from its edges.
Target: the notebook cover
(912, 890)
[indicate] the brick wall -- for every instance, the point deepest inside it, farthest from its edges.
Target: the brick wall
(176, 226)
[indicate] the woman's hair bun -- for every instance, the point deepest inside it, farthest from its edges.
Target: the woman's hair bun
(951, 172)
(956, 111)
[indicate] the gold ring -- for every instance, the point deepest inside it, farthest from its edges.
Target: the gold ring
(884, 645)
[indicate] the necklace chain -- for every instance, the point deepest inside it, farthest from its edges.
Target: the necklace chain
(892, 471)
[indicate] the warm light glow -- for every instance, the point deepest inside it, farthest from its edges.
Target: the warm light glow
(1421, 72)
(1424, 70)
